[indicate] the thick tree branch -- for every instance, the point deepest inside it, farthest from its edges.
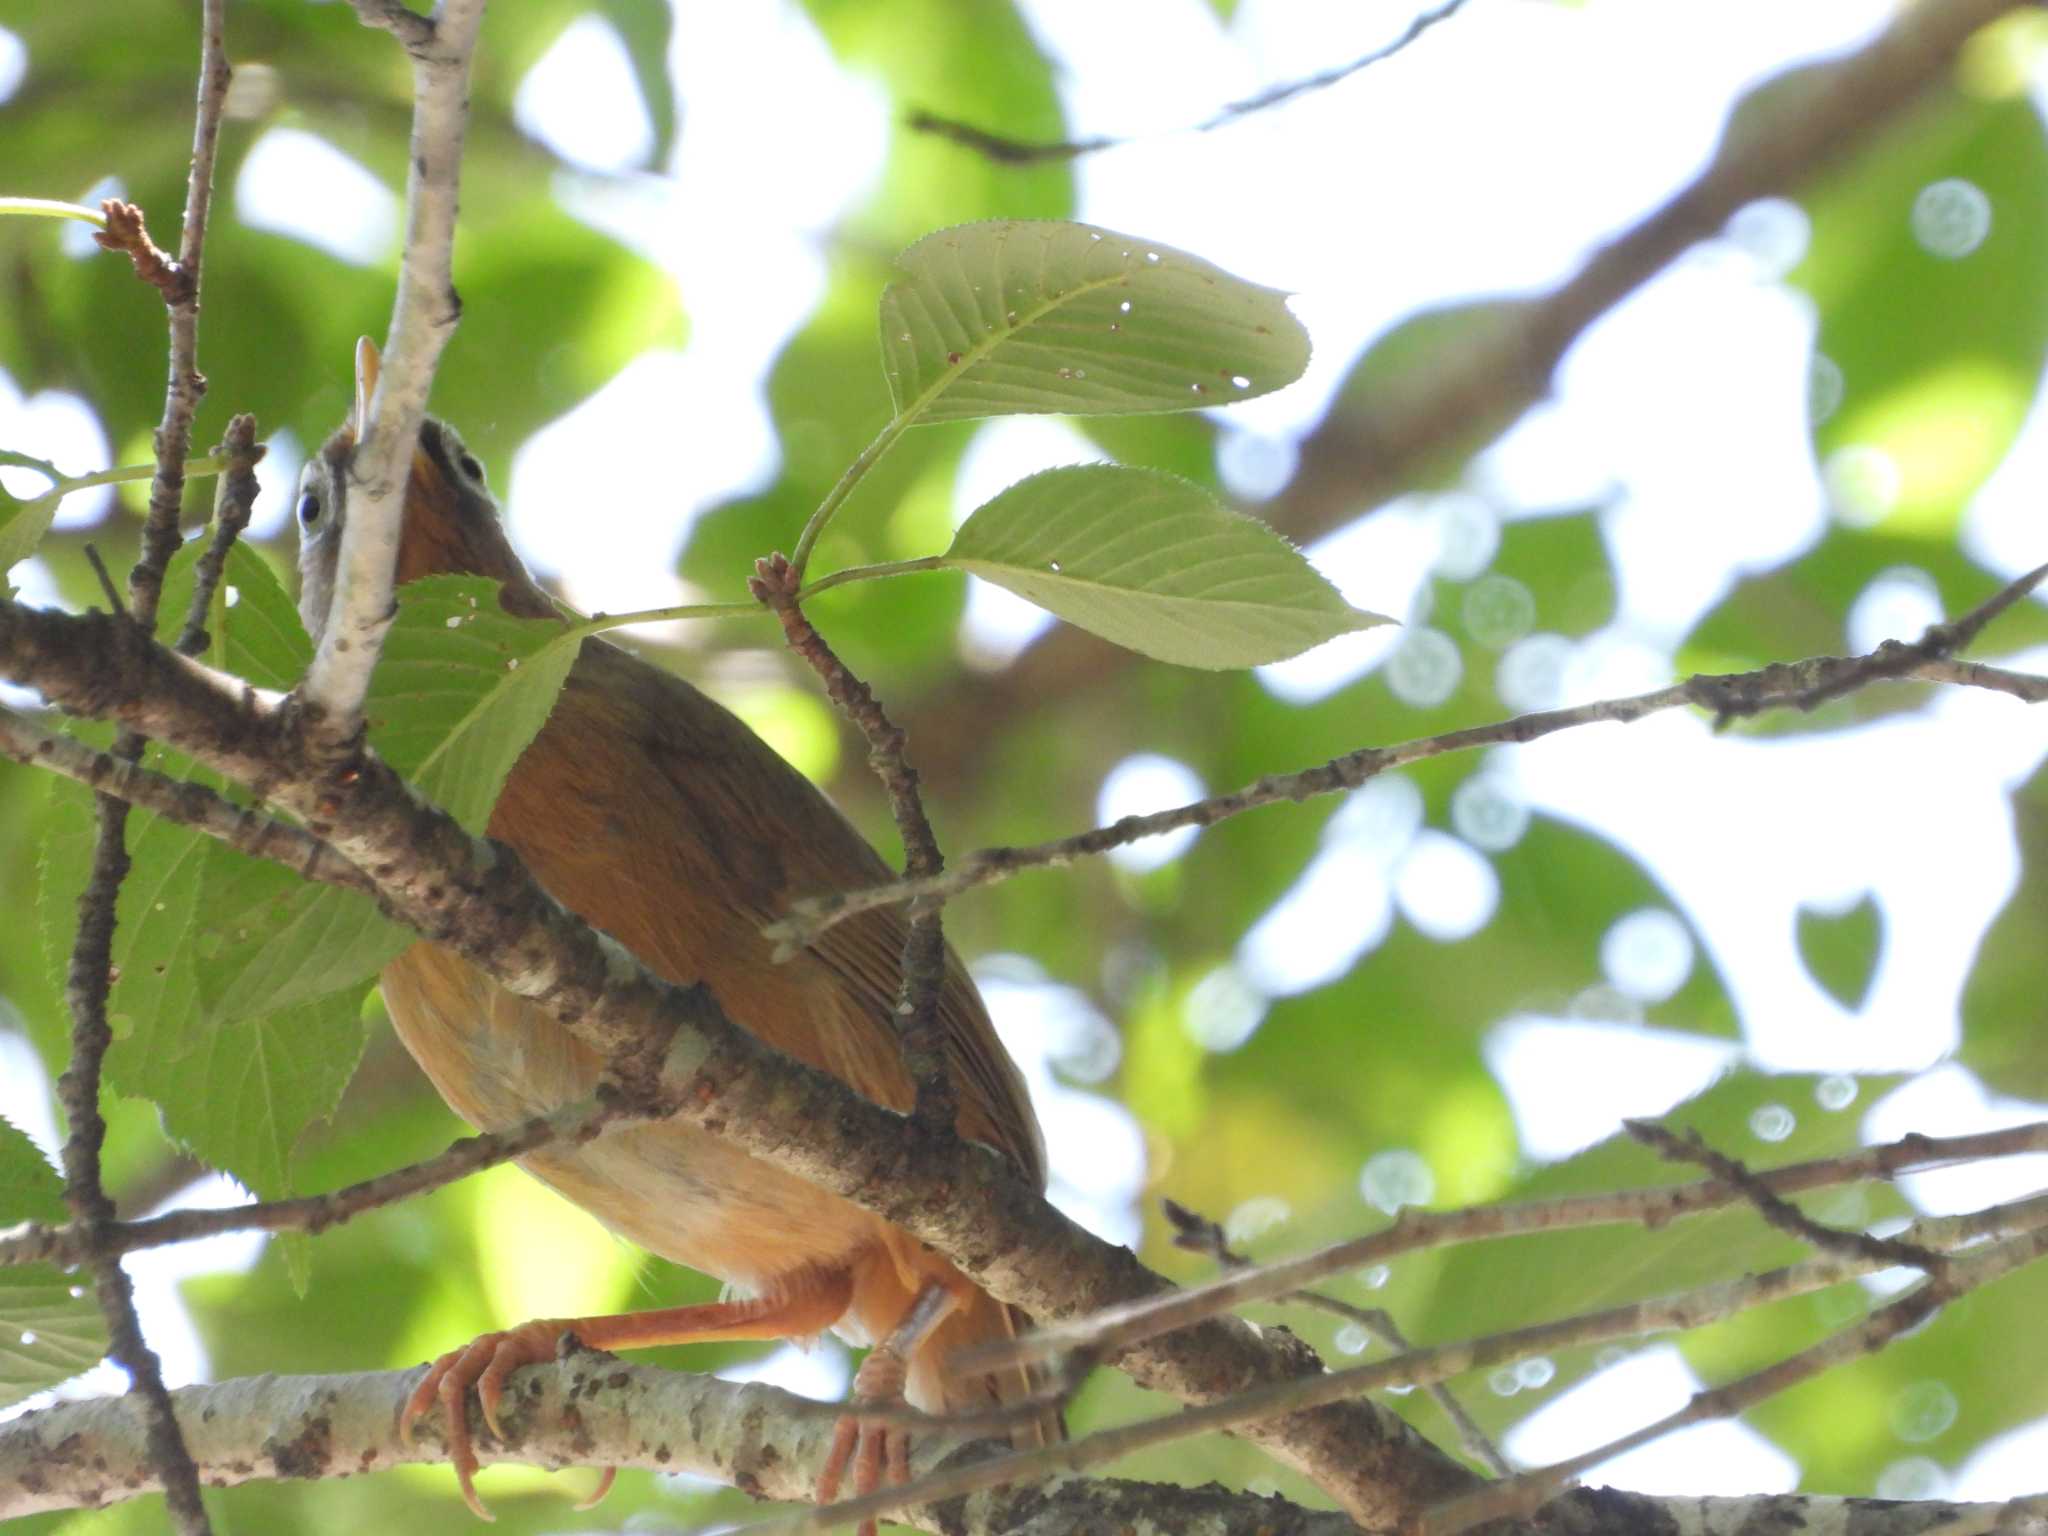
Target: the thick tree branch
(588, 1407)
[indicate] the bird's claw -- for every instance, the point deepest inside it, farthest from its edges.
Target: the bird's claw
(879, 1453)
(485, 1364)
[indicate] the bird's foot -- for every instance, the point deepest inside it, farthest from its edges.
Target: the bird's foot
(879, 1453)
(484, 1364)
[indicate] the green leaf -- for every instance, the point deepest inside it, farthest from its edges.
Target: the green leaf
(271, 940)
(1841, 949)
(252, 624)
(47, 1334)
(1154, 563)
(462, 689)
(238, 1095)
(22, 524)
(156, 904)
(1918, 379)
(30, 1189)
(2003, 1015)
(1021, 316)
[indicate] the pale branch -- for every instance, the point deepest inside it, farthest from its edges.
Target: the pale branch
(1415, 1231)
(178, 800)
(1781, 685)
(676, 1047)
(775, 585)
(1967, 1273)
(2024, 686)
(586, 1409)
(1422, 1367)
(423, 317)
(36, 1243)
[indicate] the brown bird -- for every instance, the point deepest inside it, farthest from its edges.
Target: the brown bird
(659, 817)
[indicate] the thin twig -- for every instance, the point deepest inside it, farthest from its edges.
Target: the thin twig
(1689, 1309)
(1273, 96)
(185, 803)
(774, 585)
(1690, 1147)
(116, 604)
(234, 498)
(1004, 150)
(1530, 1490)
(1115, 1329)
(1198, 1234)
(91, 968)
(35, 1243)
(1894, 658)
(1781, 685)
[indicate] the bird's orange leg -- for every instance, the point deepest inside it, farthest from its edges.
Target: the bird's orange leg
(879, 1382)
(798, 1313)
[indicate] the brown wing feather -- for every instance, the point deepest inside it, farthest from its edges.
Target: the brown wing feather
(761, 832)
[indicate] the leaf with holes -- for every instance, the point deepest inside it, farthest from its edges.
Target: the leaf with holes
(1021, 316)
(462, 689)
(47, 1334)
(1155, 564)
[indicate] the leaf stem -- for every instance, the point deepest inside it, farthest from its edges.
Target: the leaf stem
(598, 623)
(836, 497)
(63, 484)
(50, 208)
(855, 573)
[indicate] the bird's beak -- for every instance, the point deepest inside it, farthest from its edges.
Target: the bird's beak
(367, 363)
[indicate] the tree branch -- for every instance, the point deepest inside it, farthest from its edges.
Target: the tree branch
(422, 319)
(1414, 1231)
(587, 1407)
(775, 585)
(1802, 685)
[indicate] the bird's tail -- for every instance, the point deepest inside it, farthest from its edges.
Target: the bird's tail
(984, 1320)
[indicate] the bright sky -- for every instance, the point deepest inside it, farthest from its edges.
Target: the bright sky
(1515, 105)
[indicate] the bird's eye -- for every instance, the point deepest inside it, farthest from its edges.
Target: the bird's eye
(309, 510)
(471, 467)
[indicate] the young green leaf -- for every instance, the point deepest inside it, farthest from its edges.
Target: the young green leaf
(1019, 316)
(252, 624)
(47, 1334)
(22, 526)
(462, 689)
(271, 940)
(29, 1187)
(1156, 564)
